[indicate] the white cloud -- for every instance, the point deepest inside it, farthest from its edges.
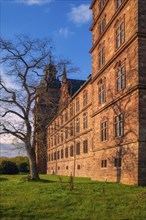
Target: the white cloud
(80, 15)
(65, 32)
(34, 2)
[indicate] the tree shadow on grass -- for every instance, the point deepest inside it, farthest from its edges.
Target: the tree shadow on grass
(47, 181)
(3, 179)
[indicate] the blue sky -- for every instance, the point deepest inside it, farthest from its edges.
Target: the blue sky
(67, 22)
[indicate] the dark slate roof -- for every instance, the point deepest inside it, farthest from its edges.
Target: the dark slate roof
(74, 85)
(54, 83)
(51, 83)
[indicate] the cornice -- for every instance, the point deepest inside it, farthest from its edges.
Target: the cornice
(137, 87)
(118, 52)
(107, 26)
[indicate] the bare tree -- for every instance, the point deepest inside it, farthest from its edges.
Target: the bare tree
(22, 61)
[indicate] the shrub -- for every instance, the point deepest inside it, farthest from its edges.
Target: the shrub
(23, 167)
(8, 167)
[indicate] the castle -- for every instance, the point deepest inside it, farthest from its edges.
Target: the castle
(97, 128)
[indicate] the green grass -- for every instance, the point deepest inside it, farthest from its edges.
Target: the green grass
(90, 200)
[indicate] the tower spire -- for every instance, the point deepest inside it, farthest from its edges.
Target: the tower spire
(64, 78)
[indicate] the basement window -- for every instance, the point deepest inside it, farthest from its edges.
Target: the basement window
(104, 163)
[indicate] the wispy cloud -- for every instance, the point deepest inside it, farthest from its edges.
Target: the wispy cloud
(34, 2)
(65, 32)
(80, 15)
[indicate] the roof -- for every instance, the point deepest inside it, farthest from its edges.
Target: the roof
(74, 85)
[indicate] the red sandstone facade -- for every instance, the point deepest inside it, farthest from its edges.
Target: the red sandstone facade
(100, 130)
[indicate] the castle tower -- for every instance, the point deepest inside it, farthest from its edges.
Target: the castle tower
(46, 106)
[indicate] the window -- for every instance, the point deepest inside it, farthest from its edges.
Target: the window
(102, 26)
(101, 57)
(51, 142)
(118, 3)
(66, 115)
(120, 35)
(66, 133)
(85, 120)
(104, 163)
(85, 146)
(71, 129)
(78, 149)
(62, 155)
(66, 167)
(119, 125)
(66, 152)
(61, 119)
(58, 155)
(104, 131)
(77, 125)
(120, 79)
(57, 124)
(54, 126)
(61, 136)
(77, 104)
(101, 4)
(71, 151)
(58, 138)
(55, 140)
(78, 167)
(117, 162)
(102, 93)
(85, 98)
(54, 155)
(71, 110)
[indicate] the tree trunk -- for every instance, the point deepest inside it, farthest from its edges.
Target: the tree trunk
(33, 165)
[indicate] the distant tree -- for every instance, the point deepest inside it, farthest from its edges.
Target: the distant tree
(23, 167)
(8, 167)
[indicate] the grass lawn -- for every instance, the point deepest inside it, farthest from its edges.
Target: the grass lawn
(52, 199)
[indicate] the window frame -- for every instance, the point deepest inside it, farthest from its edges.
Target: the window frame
(120, 34)
(71, 151)
(104, 130)
(118, 3)
(104, 164)
(120, 78)
(85, 146)
(101, 57)
(102, 25)
(78, 148)
(119, 125)
(77, 125)
(77, 104)
(102, 92)
(85, 120)
(101, 4)
(66, 152)
(85, 98)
